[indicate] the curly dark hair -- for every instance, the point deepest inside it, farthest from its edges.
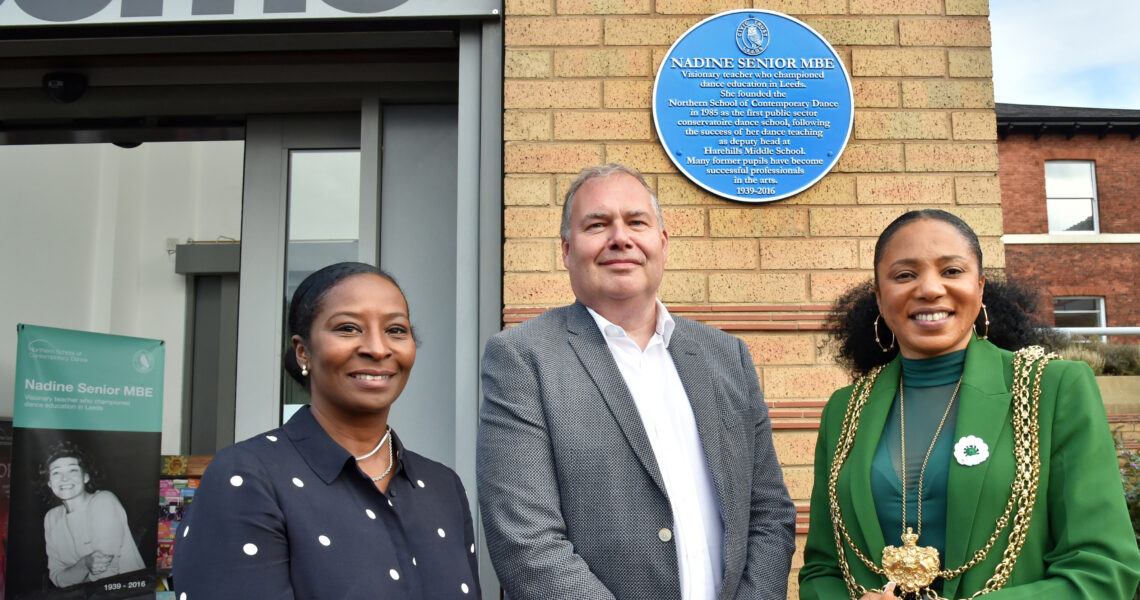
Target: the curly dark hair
(1010, 305)
(67, 449)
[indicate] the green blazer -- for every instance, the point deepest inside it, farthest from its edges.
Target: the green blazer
(1080, 544)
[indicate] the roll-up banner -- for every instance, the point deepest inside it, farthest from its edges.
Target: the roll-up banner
(87, 425)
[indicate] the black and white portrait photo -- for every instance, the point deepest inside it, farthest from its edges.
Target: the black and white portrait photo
(83, 523)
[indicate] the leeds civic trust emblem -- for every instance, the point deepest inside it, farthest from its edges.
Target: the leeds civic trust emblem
(752, 36)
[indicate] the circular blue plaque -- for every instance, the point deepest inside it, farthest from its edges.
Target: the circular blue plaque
(753, 105)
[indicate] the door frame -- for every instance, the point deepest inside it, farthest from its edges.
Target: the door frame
(264, 235)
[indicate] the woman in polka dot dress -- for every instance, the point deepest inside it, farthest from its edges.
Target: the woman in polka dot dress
(331, 504)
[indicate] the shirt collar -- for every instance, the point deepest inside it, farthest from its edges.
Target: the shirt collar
(326, 457)
(664, 326)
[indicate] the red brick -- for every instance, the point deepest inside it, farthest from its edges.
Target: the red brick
(1104, 270)
(1022, 174)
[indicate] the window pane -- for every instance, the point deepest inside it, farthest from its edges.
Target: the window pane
(1070, 215)
(1068, 179)
(324, 211)
(324, 226)
(1079, 319)
(1078, 304)
(94, 249)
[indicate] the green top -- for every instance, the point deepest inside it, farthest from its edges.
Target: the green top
(928, 386)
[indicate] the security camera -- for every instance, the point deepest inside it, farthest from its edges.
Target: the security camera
(64, 87)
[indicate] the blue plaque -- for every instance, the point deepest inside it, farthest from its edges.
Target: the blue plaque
(753, 105)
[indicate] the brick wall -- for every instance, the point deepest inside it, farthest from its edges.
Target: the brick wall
(579, 75)
(1105, 270)
(1022, 174)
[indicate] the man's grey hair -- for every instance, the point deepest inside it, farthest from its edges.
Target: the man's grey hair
(602, 171)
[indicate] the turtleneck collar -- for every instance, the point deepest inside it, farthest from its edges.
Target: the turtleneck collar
(931, 372)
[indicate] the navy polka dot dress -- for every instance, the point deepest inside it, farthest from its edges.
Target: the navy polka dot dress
(287, 514)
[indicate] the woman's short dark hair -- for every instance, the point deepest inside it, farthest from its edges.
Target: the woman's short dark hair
(1011, 307)
(68, 449)
(307, 301)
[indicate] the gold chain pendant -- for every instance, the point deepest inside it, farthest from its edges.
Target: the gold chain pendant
(1028, 368)
(913, 568)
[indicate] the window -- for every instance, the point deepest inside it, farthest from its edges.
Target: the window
(1078, 312)
(1070, 191)
(324, 228)
(96, 250)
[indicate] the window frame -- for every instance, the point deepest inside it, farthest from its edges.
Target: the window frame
(1095, 202)
(1101, 313)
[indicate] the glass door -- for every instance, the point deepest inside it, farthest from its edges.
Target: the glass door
(304, 207)
(323, 192)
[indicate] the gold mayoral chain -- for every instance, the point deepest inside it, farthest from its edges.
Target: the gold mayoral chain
(913, 567)
(1028, 367)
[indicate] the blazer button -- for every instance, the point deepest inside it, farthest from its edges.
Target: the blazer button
(664, 535)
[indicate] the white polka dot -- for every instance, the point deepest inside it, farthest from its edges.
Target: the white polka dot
(420, 482)
(271, 438)
(371, 515)
(414, 562)
(463, 587)
(441, 532)
(183, 596)
(390, 503)
(297, 482)
(472, 548)
(236, 481)
(186, 531)
(324, 540)
(394, 574)
(249, 549)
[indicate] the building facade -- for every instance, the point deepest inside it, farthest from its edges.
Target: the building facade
(578, 84)
(208, 153)
(1069, 180)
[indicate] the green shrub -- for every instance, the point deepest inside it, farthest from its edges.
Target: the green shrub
(1086, 353)
(1105, 359)
(1053, 340)
(1121, 359)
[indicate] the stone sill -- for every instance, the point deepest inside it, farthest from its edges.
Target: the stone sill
(1070, 238)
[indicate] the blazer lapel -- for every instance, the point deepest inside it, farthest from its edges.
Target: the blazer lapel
(871, 423)
(696, 377)
(983, 411)
(590, 346)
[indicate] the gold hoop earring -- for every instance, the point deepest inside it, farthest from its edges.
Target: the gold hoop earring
(985, 314)
(877, 341)
(304, 370)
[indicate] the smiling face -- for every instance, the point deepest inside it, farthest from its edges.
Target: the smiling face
(616, 249)
(66, 478)
(360, 348)
(929, 288)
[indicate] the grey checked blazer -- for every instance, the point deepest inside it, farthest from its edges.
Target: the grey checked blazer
(572, 498)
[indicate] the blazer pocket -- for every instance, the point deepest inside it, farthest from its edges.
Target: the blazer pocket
(740, 433)
(744, 420)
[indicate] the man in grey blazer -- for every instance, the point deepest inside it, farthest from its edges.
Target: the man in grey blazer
(625, 453)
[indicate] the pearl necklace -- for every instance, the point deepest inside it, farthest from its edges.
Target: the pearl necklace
(377, 448)
(391, 456)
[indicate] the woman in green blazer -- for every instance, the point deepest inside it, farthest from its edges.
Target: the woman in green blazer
(1012, 484)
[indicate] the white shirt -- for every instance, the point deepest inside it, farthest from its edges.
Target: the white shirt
(665, 412)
